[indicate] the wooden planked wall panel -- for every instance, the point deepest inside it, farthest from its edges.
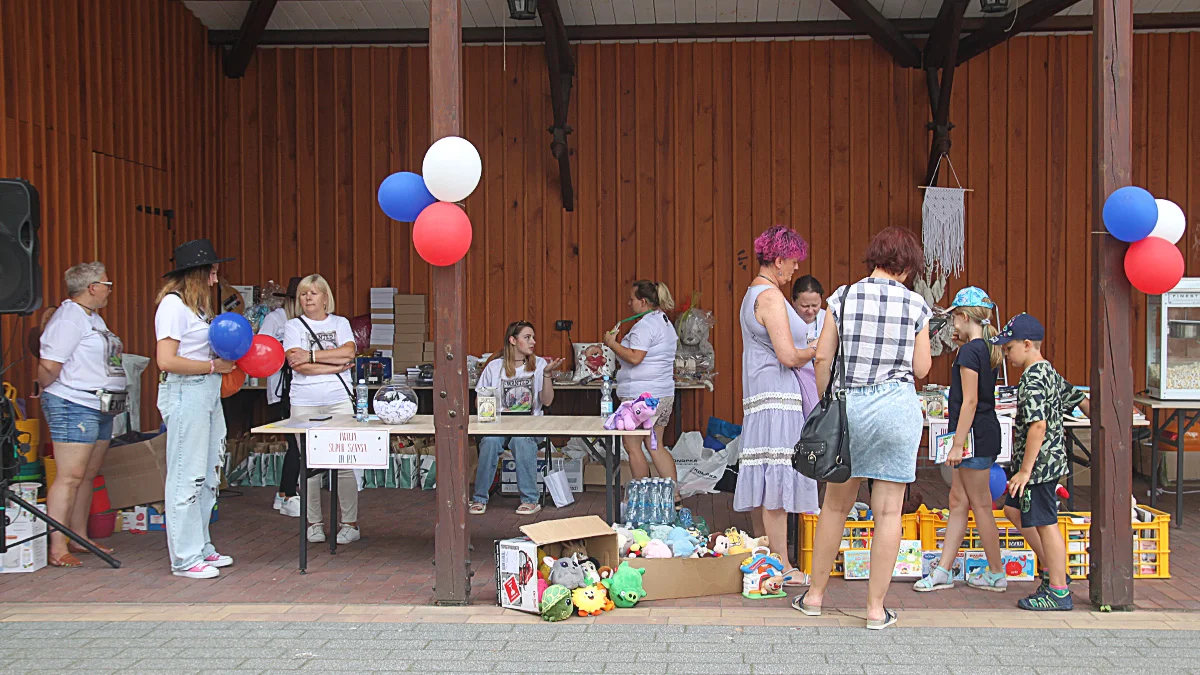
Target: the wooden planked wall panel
(103, 109)
(682, 153)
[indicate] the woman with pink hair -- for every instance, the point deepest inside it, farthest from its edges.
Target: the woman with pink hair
(779, 390)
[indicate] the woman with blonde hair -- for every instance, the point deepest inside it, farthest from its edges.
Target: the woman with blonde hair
(320, 350)
(523, 383)
(647, 356)
(189, 399)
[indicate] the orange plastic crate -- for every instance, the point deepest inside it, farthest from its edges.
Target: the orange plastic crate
(1151, 544)
(933, 532)
(856, 536)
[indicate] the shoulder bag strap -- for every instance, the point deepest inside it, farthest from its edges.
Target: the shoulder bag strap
(839, 361)
(317, 341)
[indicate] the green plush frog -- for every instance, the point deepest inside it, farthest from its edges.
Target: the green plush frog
(556, 603)
(625, 586)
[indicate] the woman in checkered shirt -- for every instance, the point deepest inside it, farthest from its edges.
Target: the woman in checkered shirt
(883, 331)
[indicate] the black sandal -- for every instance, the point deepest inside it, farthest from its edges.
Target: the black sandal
(889, 618)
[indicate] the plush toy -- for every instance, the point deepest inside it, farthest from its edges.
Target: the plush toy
(591, 600)
(703, 551)
(753, 543)
(574, 548)
(640, 537)
(762, 576)
(625, 587)
(657, 549)
(640, 412)
(737, 541)
(661, 532)
(635, 551)
(695, 358)
(606, 572)
(566, 572)
(556, 604)
(623, 542)
(719, 544)
(680, 534)
(542, 586)
(683, 548)
(591, 571)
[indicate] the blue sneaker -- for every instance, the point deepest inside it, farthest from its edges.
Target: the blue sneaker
(1047, 602)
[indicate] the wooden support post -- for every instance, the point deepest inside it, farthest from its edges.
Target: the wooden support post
(560, 65)
(450, 403)
(943, 44)
(1111, 582)
(254, 24)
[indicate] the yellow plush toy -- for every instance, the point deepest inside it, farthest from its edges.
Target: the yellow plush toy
(591, 600)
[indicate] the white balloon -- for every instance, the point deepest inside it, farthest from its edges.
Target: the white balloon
(1171, 222)
(451, 169)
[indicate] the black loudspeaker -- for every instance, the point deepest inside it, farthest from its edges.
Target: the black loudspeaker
(20, 269)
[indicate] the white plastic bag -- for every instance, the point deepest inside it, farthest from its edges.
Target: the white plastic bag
(134, 366)
(699, 468)
(560, 490)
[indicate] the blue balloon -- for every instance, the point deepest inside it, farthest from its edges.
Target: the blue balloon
(230, 335)
(403, 196)
(998, 482)
(1130, 214)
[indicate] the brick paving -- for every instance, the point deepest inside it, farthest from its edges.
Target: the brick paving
(393, 563)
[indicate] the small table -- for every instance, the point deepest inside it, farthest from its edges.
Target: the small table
(588, 428)
(1185, 414)
(1070, 426)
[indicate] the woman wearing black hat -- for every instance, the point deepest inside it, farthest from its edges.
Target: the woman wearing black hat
(286, 500)
(189, 398)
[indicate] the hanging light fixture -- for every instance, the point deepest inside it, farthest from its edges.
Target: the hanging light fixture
(522, 10)
(985, 6)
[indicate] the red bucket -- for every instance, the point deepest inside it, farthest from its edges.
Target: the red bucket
(101, 525)
(100, 502)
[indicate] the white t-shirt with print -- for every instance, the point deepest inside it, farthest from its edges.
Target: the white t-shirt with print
(318, 390)
(521, 393)
(273, 324)
(176, 321)
(654, 335)
(90, 355)
(814, 328)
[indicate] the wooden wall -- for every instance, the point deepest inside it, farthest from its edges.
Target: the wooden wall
(103, 107)
(682, 153)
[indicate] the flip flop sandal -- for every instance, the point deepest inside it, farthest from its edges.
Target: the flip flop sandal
(797, 578)
(79, 549)
(806, 610)
(889, 618)
(65, 560)
(478, 509)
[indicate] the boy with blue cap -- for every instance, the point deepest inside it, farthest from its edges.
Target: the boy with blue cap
(1039, 456)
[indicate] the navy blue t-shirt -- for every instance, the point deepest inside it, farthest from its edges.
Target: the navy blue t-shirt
(976, 356)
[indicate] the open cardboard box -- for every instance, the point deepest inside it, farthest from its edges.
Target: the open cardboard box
(668, 578)
(136, 474)
(517, 559)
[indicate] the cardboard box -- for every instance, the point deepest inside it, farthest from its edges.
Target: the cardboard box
(1167, 465)
(414, 331)
(135, 474)
(669, 578)
(593, 475)
(30, 556)
(508, 472)
(405, 299)
(517, 559)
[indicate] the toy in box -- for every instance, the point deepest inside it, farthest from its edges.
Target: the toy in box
(1019, 565)
(931, 558)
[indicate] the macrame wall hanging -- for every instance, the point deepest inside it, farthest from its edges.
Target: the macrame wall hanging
(943, 223)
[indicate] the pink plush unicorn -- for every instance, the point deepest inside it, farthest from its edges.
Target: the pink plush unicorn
(640, 412)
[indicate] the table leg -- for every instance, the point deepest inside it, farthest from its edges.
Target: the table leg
(1071, 441)
(1180, 432)
(300, 441)
(1154, 435)
(333, 510)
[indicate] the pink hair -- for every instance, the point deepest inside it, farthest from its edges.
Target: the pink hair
(780, 241)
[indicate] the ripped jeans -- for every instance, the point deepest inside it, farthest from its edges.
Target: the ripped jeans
(191, 407)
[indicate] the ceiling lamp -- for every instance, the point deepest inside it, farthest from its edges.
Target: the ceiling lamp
(523, 10)
(985, 6)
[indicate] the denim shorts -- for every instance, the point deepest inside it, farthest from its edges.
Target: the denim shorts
(71, 422)
(978, 463)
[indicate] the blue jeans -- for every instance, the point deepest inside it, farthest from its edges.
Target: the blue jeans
(524, 452)
(71, 422)
(191, 407)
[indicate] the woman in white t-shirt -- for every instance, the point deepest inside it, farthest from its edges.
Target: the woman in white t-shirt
(647, 356)
(278, 400)
(79, 357)
(523, 383)
(189, 398)
(807, 296)
(320, 350)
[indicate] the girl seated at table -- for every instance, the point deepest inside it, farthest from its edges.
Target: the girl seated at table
(522, 383)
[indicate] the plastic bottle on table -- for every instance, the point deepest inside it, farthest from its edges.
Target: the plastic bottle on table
(360, 401)
(606, 398)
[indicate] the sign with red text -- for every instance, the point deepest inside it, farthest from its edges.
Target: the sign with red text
(347, 449)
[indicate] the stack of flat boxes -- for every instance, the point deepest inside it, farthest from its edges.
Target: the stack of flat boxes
(383, 320)
(410, 348)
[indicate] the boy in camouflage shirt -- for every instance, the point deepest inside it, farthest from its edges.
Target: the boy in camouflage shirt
(1039, 457)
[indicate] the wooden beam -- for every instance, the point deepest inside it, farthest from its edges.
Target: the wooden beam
(560, 65)
(450, 402)
(1111, 580)
(864, 14)
(934, 53)
(994, 31)
(254, 24)
(950, 19)
(675, 31)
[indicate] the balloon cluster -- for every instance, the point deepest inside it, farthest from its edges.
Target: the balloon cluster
(1152, 227)
(233, 339)
(441, 230)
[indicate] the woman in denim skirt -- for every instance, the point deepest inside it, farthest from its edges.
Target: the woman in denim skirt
(883, 332)
(189, 398)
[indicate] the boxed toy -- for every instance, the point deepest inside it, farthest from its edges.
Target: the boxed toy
(30, 556)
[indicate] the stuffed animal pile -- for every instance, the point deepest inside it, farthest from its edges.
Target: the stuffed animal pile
(666, 541)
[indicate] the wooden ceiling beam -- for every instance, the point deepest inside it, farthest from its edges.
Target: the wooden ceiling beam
(946, 26)
(247, 38)
(560, 66)
(1023, 18)
(947, 50)
(882, 31)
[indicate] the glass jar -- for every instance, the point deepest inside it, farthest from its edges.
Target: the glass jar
(396, 403)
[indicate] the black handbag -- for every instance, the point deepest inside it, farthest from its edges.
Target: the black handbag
(823, 451)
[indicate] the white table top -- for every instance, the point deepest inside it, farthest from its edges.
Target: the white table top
(422, 425)
(1166, 404)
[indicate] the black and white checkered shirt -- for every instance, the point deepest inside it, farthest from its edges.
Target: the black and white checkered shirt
(879, 332)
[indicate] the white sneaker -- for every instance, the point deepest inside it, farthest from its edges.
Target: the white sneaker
(201, 571)
(291, 507)
(316, 533)
(278, 501)
(347, 535)
(218, 560)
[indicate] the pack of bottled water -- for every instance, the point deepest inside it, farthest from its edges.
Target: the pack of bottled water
(650, 501)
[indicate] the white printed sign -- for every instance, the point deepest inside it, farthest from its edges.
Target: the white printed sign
(347, 449)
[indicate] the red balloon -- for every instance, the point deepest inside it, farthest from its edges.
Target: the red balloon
(265, 357)
(442, 234)
(1154, 266)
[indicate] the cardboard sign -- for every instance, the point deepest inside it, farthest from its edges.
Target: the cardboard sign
(347, 449)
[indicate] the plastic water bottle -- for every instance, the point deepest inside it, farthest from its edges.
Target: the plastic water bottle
(668, 501)
(360, 401)
(633, 505)
(647, 503)
(606, 399)
(656, 510)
